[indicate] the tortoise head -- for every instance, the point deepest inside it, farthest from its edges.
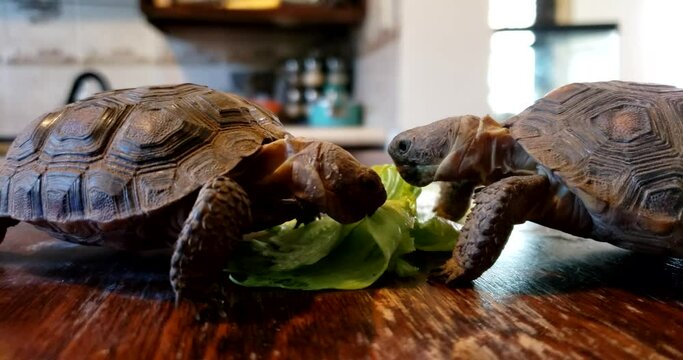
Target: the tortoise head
(351, 190)
(423, 154)
(332, 180)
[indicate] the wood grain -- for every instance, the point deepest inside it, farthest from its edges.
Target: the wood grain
(548, 296)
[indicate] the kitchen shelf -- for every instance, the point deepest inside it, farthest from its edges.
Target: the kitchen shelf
(565, 28)
(285, 16)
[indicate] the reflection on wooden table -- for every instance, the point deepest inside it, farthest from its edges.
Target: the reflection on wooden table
(548, 296)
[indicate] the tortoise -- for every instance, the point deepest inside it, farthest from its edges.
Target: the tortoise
(597, 160)
(179, 165)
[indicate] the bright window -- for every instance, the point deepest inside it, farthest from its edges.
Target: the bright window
(528, 59)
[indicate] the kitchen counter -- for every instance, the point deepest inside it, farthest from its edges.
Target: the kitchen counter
(365, 143)
(548, 296)
(352, 137)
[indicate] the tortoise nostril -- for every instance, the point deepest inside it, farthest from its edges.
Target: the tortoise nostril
(404, 145)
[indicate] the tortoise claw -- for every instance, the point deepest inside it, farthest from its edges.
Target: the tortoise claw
(209, 305)
(211, 310)
(178, 298)
(451, 274)
(306, 220)
(307, 213)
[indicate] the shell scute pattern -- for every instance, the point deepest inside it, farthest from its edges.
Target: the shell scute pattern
(660, 199)
(25, 200)
(227, 110)
(128, 152)
(201, 166)
(109, 195)
(157, 135)
(79, 124)
(27, 144)
(153, 187)
(62, 194)
(82, 132)
(616, 144)
(623, 124)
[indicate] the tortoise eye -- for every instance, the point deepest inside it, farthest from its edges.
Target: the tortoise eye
(267, 140)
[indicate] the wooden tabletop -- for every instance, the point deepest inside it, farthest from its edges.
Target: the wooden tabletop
(549, 296)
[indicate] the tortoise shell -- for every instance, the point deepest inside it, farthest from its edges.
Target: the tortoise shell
(128, 152)
(618, 146)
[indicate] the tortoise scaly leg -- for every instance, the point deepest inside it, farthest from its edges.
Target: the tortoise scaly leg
(215, 225)
(499, 206)
(6, 223)
(454, 199)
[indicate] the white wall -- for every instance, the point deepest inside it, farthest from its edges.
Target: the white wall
(428, 61)
(436, 64)
(443, 60)
(650, 35)
(377, 86)
(376, 73)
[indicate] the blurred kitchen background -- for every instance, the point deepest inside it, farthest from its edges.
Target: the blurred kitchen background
(350, 71)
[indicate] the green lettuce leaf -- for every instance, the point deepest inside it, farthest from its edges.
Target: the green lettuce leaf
(327, 255)
(435, 234)
(396, 187)
(289, 247)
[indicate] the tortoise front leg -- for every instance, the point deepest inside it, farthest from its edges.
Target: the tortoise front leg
(454, 199)
(218, 219)
(498, 207)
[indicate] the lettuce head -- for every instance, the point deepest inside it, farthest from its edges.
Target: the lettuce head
(325, 254)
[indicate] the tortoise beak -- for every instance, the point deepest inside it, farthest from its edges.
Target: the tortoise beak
(418, 152)
(417, 175)
(360, 199)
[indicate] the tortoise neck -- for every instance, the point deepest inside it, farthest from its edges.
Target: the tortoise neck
(485, 153)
